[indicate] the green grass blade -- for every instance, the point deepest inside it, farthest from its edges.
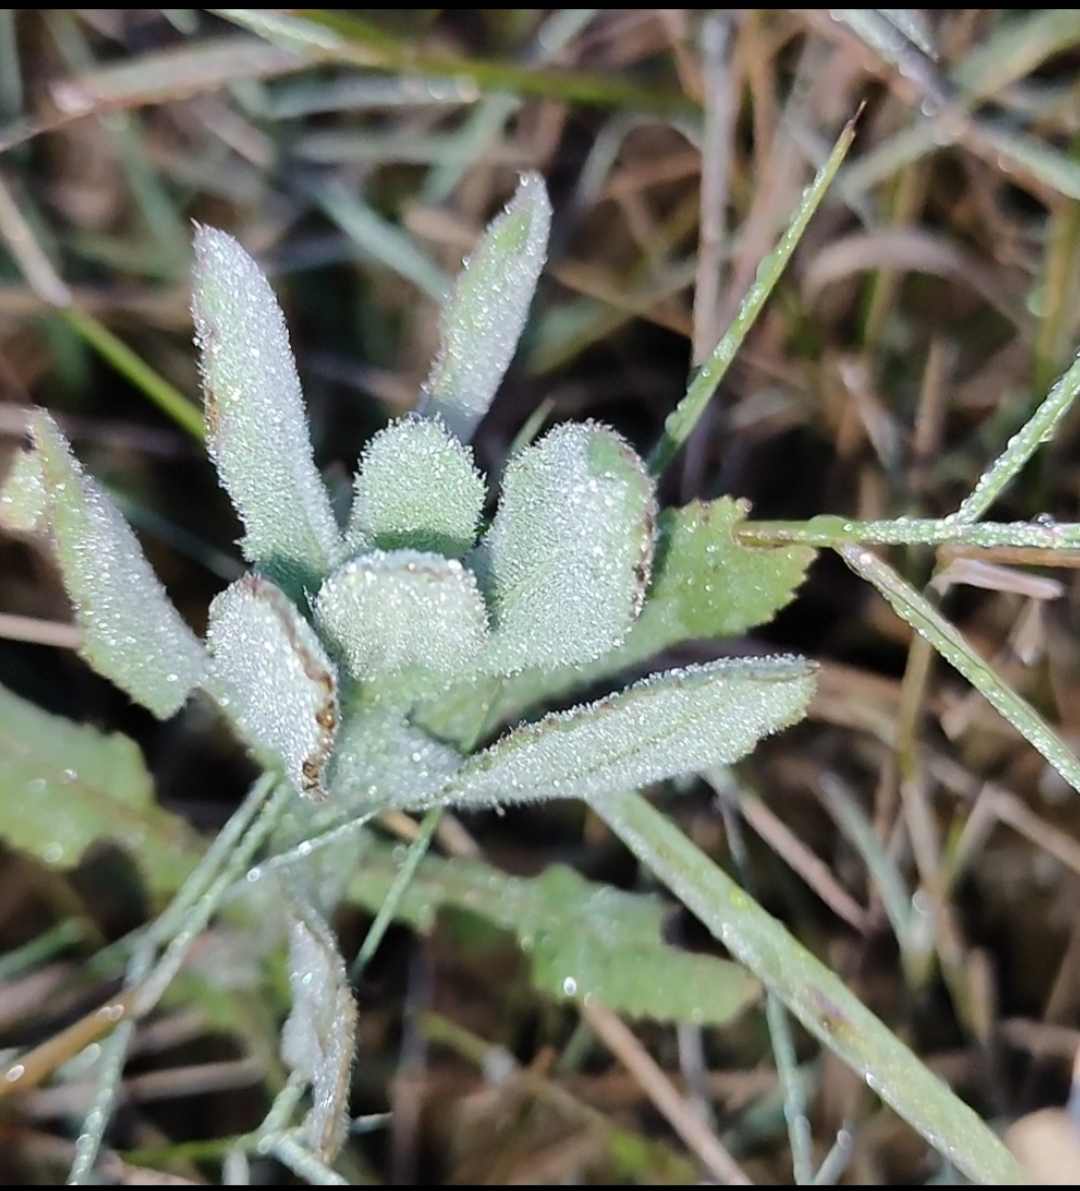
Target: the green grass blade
(186, 414)
(925, 619)
(348, 38)
(817, 997)
(683, 418)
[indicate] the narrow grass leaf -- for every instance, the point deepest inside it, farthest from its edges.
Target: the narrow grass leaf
(1043, 162)
(271, 676)
(257, 429)
(486, 314)
(417, 488)
(132, 633)
(678, 722)
(65, 787)
(683, 418)
(926, 620)
(817, 997)
(567, 559)
(377, 238)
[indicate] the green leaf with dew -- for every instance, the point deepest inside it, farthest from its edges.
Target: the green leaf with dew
(65, 787)
(383, 760)
(583, 939)
(678, 722)
(131, 632)
(566, 561)
(24, 497)
(705, 586)
(270, 674)
(318, 1040)
(257, 431)
(416, 488)
(408, 621)
(486, 314)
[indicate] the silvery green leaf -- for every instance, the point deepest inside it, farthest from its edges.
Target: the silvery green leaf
(417, 488)
(485, 316)
(382, 760)
(132, 634)
(24, 499)
(318, 1041)
(257, 429)
(270, 674)
(566, 562)
(417, 617)
(674, 723)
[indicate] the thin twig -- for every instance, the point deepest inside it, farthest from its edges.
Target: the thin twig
(621, 1042)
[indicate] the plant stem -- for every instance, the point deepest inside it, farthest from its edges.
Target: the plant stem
(417, 851)
(682, 419)
(830, 530)
(184, 919)
(814, 994)
(1038, 429)
(780, 1036)
(926, 620)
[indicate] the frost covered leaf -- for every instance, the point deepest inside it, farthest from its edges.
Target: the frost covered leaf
(132, 634)
(705, 584)
(678, 722)
(417, 488)
(485, 316)
(24, 499)
(417, 617)
(566, 562)
(582, 938)
(257, 430)
(318, 1041)
(66, 786)
(382, 760)
(271, 676)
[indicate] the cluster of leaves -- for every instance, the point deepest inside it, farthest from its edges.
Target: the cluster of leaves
(345, 656)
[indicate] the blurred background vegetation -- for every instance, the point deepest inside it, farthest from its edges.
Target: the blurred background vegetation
(904, 832)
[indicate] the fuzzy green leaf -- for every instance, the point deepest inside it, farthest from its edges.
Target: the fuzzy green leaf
(681, 721)
(132, 634)
(24, 498)
(418, 619)
(583, 939)
(66, 786)
(382, 760)
(318, 1041)
(705, 586)
(485, 316)
(256, 427)
(417, 488)
(566, 561)
(271, 676)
